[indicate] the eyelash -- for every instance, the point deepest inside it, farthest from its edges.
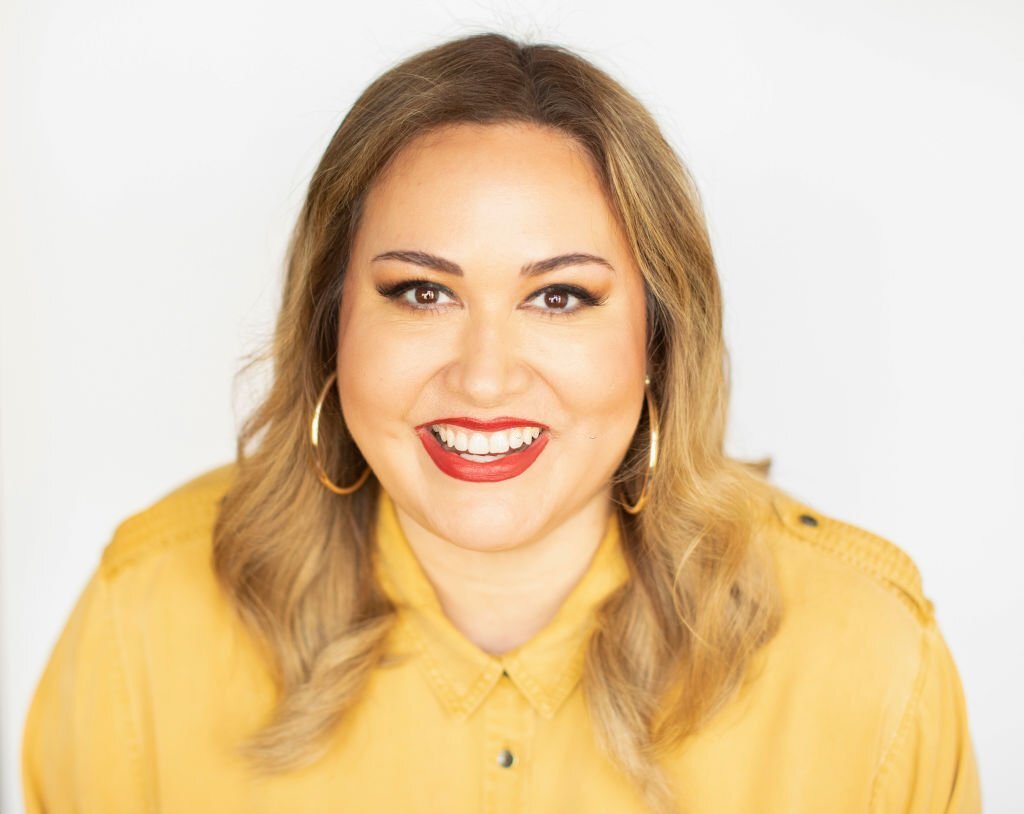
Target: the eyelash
(587, 300)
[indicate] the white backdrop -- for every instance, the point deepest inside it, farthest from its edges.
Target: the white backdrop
(861, 168)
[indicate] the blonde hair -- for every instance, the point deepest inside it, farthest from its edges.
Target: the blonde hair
(673, 644)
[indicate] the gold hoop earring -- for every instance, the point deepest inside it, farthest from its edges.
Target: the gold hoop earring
(314, 437)
(652, 415)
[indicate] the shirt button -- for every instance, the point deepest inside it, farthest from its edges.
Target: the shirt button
(505, 758)
(807, 520)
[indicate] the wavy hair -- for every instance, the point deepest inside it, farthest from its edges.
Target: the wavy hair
(673, 644)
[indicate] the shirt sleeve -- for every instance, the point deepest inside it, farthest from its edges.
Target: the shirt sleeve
(80, 745)
(930, 767)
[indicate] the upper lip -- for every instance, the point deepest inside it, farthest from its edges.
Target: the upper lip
(492, 425)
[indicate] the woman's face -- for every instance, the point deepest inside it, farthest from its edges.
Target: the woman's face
(451, 314)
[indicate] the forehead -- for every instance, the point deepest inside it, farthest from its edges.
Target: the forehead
(511, 181)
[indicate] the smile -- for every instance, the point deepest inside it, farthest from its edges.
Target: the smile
(479, 446)
(481, 456)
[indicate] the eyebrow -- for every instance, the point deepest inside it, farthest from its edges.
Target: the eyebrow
(431, 261)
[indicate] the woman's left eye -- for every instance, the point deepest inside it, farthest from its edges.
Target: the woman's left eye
(558, 299)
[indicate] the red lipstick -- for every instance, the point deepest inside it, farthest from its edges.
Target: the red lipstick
(491, 425)
(510, 465)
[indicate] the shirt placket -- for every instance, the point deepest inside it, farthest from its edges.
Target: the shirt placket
(509, 726)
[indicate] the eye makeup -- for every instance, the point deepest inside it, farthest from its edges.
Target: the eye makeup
(585, 298)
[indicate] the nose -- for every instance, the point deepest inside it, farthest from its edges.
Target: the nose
(490, 370)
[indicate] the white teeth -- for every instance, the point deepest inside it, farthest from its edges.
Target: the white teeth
(498, 443)
(482, 443)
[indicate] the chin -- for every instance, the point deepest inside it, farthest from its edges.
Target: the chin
(487, 529)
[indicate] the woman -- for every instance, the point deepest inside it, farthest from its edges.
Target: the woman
(481, 549)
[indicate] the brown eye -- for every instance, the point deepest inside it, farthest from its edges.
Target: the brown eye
(421, 296)
(556, 300)
(564, 300)
(425, 296)
(417, 295)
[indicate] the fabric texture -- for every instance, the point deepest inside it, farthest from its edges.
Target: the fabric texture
(854, 706)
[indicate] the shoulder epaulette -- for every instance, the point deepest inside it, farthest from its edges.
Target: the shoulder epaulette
(179, 515)
(871, 553)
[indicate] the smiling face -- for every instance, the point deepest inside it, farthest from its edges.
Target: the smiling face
(450, 314)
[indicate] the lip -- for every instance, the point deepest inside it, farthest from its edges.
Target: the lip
(454, 465)
(492, 425)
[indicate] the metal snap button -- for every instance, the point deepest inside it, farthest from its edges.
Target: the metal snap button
(505, 758)
(807, 520)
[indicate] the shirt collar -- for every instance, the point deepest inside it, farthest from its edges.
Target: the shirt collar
(545, 669)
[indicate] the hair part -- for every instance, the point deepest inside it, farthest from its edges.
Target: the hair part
(673, 644)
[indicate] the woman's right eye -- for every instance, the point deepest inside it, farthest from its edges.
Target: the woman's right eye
(420, 295)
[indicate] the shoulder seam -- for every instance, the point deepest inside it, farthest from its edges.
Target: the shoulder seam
(870, 553)
(135, 746)
(176, 517)
(900, 735)
(124, 548)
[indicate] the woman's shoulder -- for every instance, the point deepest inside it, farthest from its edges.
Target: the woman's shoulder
(149, 649)
(182, 516)
(859, 652)
(854, 614)
(828, 560)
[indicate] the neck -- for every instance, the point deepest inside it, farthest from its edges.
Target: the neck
(500, 599)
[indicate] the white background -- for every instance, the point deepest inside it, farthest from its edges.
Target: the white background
(861, 169)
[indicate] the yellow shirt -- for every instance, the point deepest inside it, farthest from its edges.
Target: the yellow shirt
(856, 705)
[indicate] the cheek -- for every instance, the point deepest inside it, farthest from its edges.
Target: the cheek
(599, 377)
(379, 371)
